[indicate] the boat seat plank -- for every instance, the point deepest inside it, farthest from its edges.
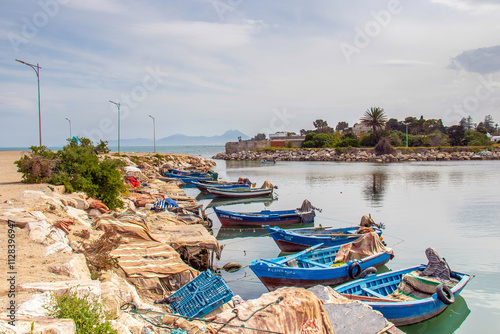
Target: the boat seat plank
(373, 293)
(316, 264)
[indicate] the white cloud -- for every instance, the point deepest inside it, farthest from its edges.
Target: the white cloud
(201, 34)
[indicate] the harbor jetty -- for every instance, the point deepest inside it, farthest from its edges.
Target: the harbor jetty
(127, 260)
(365, 154)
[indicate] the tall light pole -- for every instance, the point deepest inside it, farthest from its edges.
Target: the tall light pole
(154, 133)
(69, 127)
(406, 134)
(118, 105)
(36, 68)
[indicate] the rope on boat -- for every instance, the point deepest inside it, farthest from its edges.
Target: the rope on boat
(132, 308)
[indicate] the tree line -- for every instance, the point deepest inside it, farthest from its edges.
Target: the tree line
(410, 132)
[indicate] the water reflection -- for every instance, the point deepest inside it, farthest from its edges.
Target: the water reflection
(374, 189)
(447, 322)
(424, 179)
(230, 201)
(230, 232)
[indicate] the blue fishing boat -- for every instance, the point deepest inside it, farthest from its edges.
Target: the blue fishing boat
(188, 172)
(264, 217)
(323, 266)
(387, 293)
(297, 239)
(188, 179)
(240, 192)
(204, 186)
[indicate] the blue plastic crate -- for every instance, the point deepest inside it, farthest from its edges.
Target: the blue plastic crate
(200, 296)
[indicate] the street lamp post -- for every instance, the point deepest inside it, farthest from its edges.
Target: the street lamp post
(406, 134)
(154, 133)
(118, 105)
(36, 68)
(69, 127)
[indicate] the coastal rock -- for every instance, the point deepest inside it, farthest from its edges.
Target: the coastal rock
(36, 306)
(76, 268)
(58, 247)
(36, 325)
(82, 287)
(38, 231)
(119, 328)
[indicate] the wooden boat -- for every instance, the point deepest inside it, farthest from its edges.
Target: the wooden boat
(204, 186)
(377, 290)
(295, 240)
(268, 162)
(188, 172)
(188, 179)
(315, 266)
(240, 193)
(264, 217)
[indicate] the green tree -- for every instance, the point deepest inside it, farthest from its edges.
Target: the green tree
(341, 126)
(322, 126)
(260, 136)
(456, 135)
(375, 118)
(475, 138)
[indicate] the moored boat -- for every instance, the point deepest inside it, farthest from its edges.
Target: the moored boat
(266, 217)
(265, 190)
(203, 187)
(295, 240)
(407, 296)
(189, 179)
(323, 266)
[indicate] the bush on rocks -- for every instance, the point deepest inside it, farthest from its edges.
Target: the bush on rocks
(384, 146)
(78, 168)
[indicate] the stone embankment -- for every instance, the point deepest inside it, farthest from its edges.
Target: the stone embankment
(364, 155)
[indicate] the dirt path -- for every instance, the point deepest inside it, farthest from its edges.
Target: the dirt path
(10, 180)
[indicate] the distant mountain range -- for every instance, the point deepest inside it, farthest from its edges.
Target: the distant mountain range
(180, 139)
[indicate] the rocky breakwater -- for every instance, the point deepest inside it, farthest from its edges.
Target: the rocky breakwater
(64, 244)
(365, 155)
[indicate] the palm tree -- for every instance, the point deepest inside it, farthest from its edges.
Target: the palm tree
(376, 118)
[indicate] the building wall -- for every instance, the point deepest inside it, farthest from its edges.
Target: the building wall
(247, 145)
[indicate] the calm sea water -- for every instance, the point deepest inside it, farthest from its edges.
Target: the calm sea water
(205, 151)
(451, 206)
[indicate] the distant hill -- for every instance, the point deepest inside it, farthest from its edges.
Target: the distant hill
(180, 139)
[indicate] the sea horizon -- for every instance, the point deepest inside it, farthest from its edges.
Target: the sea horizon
(197, 150)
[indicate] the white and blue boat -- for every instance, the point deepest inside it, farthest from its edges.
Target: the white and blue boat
(297, 239)
(319, 266)
(381, 292)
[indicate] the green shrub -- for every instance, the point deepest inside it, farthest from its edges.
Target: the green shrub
(78, 168)
(86, 312)
(38, 166)
(475, 138)
(289, 144)
(319, 140)
(366, 140)
(348, 142)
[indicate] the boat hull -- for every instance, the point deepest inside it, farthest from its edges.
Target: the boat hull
(407, 312)
(248, 193)
(188, 179)
(274, 277)
(295, 240)
(265, 217)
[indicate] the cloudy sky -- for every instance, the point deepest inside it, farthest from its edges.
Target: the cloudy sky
(201, 67)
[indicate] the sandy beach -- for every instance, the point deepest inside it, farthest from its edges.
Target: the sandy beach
(10, 180)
